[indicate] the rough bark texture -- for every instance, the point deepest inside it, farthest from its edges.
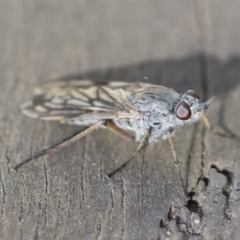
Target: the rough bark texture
(66, 195)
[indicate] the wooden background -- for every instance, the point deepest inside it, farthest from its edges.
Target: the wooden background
(66, 195)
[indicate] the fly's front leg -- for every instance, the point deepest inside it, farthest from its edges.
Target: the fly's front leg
(176, 161)
(212, 130)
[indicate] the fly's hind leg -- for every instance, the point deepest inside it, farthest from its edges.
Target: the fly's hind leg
(60, 145)
(114, 128)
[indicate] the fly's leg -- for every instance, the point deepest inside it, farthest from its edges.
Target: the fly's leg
(212, 130)
(141, 145)
(176, 161)
(60, 145)
(114, 128)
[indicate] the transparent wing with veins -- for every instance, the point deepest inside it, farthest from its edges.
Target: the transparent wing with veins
(82, 101)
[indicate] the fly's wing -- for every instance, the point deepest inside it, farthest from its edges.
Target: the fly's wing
(82, 100)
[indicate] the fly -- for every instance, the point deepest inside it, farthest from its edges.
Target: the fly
(144, 111)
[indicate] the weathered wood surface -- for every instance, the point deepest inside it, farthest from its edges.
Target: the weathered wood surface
(66, 195)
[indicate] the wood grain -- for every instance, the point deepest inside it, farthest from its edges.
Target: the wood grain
(66, 195)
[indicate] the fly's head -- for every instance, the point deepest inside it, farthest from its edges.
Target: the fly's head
(189, 109)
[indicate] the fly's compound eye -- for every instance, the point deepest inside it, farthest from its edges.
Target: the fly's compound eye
(183, 111)
(193, 94)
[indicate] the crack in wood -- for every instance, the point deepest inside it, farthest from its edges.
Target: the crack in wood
(99, 227)
(123, 207)
(58, 214)
(35, 237)
(139, 185)
(8, 159)
(67, 195)
(45, 186)
(82, 174)
(227, 191)
(46, 196)
(112, 199)
(4, 194)
(20, 216)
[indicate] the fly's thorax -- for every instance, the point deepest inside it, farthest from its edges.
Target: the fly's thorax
(157, 110)
(161, 125)
(155, 99)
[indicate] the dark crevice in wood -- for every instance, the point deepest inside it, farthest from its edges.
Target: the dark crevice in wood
(227, 191)
(123, 207)
(229, 175)
(193, 206)
(206, 181)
